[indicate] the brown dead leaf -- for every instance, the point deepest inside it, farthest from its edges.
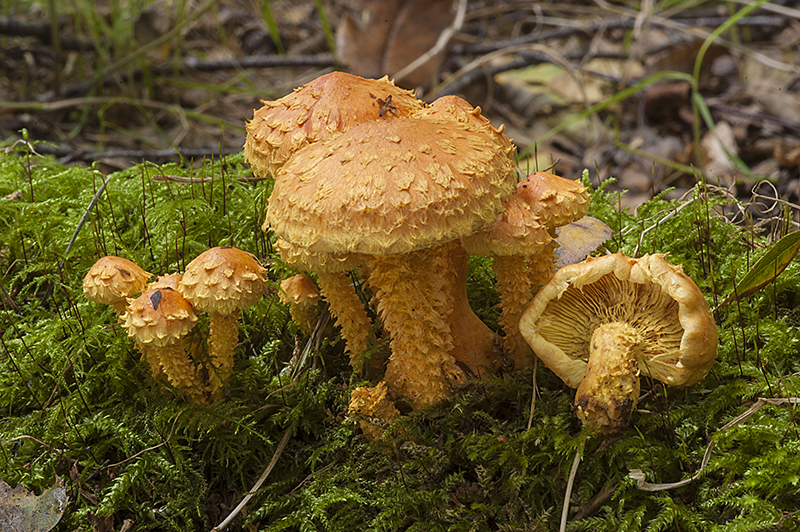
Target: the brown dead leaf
(382, 38)
(23, 511)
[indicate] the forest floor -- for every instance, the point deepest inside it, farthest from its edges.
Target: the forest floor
(693, 108)
(126, 81)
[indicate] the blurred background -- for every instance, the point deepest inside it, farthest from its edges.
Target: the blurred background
(631, 90)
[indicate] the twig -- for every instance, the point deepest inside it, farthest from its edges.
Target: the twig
(572, 472)
(643, 485)
(258, 483)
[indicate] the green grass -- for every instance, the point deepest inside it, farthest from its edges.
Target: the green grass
(78, 404)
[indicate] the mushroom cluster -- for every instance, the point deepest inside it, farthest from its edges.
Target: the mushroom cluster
(602, 323)
(369, 178)
(221, 282)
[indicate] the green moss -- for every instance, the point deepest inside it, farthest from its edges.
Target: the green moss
(78, 403)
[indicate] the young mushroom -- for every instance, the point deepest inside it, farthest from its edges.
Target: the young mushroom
(601, 323)
(221, 282)
(111, 280)
(302, 296)
(522, 242)
(158, 321)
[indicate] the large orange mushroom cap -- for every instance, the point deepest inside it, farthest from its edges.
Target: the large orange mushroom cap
(326, 106)
(391, 187)
(111, 280)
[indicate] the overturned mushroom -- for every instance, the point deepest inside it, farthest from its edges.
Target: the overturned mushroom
(222, 281)
(111, 280)
(598, 324)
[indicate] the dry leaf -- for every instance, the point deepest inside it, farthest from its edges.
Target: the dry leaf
(716, 163)
(381, 38)
(22, 511)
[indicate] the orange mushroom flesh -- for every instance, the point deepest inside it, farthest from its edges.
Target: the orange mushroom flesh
(221, 282)
(301, 295)
(601, 323)
(159, 321)
(326, 106)
(372, 408)
(111, 280)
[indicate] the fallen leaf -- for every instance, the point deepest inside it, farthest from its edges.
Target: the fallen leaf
(578, 239)
(22, 511)
(381, 38)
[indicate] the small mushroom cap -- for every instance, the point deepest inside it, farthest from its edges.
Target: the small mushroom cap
(166, 281)
(650, 294)
(158, 317)
(223, 280)
(555, 200)
(517, 231)
(299, 289)
(326, 106)
(393, 186)
(112, 279)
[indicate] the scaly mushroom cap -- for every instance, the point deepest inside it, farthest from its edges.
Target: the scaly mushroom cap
(158, 317)
(677, 331)
(223, 280)
(299, 289)
(452, 107)
(113, 279)
(555, 200)
(517, 231)
(166, 281)
(391, 187)
(328, 105)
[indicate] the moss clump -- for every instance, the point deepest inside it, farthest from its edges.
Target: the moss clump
(78, 403)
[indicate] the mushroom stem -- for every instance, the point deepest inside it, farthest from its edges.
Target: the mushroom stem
(609, 390)
(421, 368)
(223, 336)
(348, 311)
(473, 342)
(514, 285)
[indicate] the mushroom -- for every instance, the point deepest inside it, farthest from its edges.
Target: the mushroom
(326, 106)
(111, 280)
(302, 295)
(335, 287)
(371, 407)
(523, 244)
(598, 324)
(158, 320)
(393, 191)
(222, 281)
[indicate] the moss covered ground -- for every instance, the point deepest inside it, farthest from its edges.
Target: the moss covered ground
(77, 403)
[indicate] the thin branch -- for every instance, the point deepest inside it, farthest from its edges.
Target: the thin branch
(257, 485)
